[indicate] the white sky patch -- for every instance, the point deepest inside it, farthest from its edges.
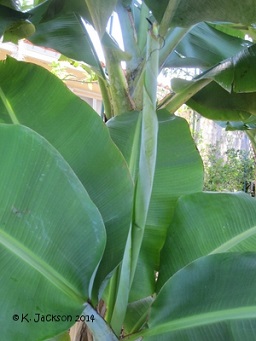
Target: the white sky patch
(96, 41)
(114, 29)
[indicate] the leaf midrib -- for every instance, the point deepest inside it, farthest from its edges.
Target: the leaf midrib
(200, 320)
(9, 108)
(26, 255)
(235, 240)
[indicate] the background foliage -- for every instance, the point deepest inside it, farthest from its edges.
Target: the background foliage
(232, 172)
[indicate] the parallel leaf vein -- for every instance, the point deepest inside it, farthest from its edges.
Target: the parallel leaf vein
(235, 241)
(199, 320)
(26, 255)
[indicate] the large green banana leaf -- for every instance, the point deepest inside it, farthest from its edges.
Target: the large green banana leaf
(39, 100)
(235, 74)
(10, 3)
(206, 223)
(68, 35)
(178, 171)
(52, 237)
(187, 13)
(215, 103)
(213, 298)
(202, 47)
(233, 86)
(62, 28)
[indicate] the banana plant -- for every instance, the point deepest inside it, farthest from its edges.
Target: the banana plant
(105, 231)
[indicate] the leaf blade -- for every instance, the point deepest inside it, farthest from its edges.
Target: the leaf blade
(48, 272)
(204, 46)
(43, 236)
(215, 295)
(79, 134)
(211, 222)
(188, 13)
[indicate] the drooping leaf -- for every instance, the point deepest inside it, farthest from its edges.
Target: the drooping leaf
(235, 74)
(178, 171)
(14, 4)
(232, 126)
(51, 238)
(215, 103)
(236, 30)
(39, 10)
(204, 46)
(206, 223)
(190, 12)
(234, 91)
(68, 35)
(233, 97)
(60, 25)
(79, 134)
(9, 17)
(213, 298)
